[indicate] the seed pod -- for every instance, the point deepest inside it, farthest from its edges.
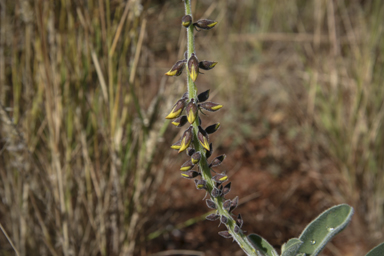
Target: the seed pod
(223, 219)
(201, 184)
(176, 110)
(180, 121)
(215, 192)
(193, 67)
(211, 204)
(203, 138)
(226, 189)
(210, 106)
(239, 221)
(203, 96)
(190, 151)
(191, 111)
(213, 217)
(186, 139)
(236, 229)
(212, 128)
(186, 20)
(234, 203)
(209, 153)
(219, 178)
(176, 145)
(227, 204)
(217, 161)
(187, 166)
(176, 69)
(190, 174)
(207, 65)
(225, 234)
(205, 24)
(195, 158)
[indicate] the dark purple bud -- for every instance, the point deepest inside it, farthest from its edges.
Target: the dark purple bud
(227, 204)
(215, 192)
(225, 234)
(211, 204)
(187, 166)
(180, 121)
(176, 110)
(205, 24)
(234, 203)
(186, 20)
(193, 67)
(201, 184)
(224, 219)
(239, 221)
(217, 161)
(210, 106)
(212, 128)
(226, 189)
(236, 229)
(213, 217)
(195, 158)
(209, 153)
(186, 139)
(219, 178)
(176, 69)
(190, 174)
(207, 65)
(190, 151)
(203, 96)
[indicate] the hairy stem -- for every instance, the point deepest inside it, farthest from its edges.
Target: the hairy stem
(240, 238)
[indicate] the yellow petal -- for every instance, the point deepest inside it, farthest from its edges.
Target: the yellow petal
(171, 73)
(173, 115)
(217, 107)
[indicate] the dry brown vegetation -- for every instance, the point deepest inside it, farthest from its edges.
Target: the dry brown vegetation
(85, 163)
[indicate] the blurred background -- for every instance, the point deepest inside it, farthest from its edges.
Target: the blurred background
(85, 161)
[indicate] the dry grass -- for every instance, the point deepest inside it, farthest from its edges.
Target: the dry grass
(81, 87)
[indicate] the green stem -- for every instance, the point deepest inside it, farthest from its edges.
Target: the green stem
(240, 238)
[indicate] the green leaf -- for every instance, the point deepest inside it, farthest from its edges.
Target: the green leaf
(291, 247)
(318, 233)
(262, 245)
(377, 251)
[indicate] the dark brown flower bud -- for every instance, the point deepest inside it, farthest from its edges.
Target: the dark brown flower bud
(186, 139)
(186, 20)
(215, 192)
(213, 217)
(212, 128)
(209, 153)
(236, 229)
(180, 121)
(190, 174)
(219, 178)
(211, 204)
(201, 184)
(176, 69)
(176, 145)
(203, 138)
(187, 166)
(176, 110)
(224, 219)
(195, 158)
(239, 221)
(234, 204)
(207, 65)
(191, 111)
(225, 234)
(190, 151)
(217, 161)
(203, 96)
(193, 67)
(210, 106)
(205, 24)
(226, 189)
(227, 204)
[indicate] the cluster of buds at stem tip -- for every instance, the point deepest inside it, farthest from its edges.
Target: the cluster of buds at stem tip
(186, 111)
